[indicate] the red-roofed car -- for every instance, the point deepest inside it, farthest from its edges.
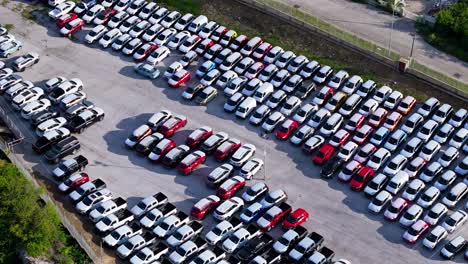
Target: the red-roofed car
(170, 126)
(296, 218)
(204, 206)
(144, 51)
(179, 78)
(415, 231)
(161, 149)
(190, 162)
(226, 149)
(230, 187)
(286, 129)
(359, 181)
(323, 154)
(64, 19)
(74, 182)
(198, 136)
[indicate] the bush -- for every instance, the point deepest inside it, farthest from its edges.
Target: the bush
(27, 222)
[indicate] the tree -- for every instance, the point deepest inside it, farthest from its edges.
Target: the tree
(24, 223)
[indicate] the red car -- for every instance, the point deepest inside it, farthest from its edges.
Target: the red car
(355, 122)
(239, 42)
(273, 216)
(179, 78)
(395, 209)
(378, 117)
(262, 50)
(198, 136)
(364, 175)
(230, 187)
(170, 126)
(323, 154)
(339, 138)
(286, 129)
(323, 95)
(296, 218)
(204, 206)
(105, 15)
(144, 51)
(189, 163)
(64, 19)
(73, 182)
(72, 27)
(226, 149)
(161, 149)
(415, 231)
(204, 46)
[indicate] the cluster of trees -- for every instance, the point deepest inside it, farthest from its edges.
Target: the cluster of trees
(27, 223)
(453, 22)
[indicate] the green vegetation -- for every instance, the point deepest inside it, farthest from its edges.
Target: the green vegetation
(439, 76)
(8, 26)
(450, 31)
(5, 2)
(185, 6)
(28, 223)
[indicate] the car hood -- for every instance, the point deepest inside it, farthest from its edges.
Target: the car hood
(123, 251)
(211, 237)
(75, 196)
(262, 222)
(296, 255)
(94, 215)
(229, 246)
(136, 211)
(280, 248)
(81, 207)
(109, 240)
(63, 187)
(58, 172)
(146, 222)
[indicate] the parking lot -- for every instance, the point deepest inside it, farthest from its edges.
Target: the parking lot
(128, 99)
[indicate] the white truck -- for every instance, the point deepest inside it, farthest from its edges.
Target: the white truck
(149, 203)
(121, 234)
(106, 208)
(170, 224)
(113, 221)
(222, 230)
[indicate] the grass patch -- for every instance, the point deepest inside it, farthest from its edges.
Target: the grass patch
(185, 6)
(439, 76)
(5, 2)
(8, 27)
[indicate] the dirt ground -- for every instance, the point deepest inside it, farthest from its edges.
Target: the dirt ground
(250, 21)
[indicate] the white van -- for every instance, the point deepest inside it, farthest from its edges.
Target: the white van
(197, 24)
(55, 2)
(262, 93)
(397, 182)
(246, 107)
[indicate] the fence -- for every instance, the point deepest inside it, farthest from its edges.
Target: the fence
(13, 128)
(295, 16)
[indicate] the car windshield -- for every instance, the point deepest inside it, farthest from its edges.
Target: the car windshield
(257, 115)
(432, 214)
(375, 159)
(411, 191)
(100, 209)
(321, 74)
(283, 241)
(363, 153)
(141, 255)
(115, 235)
(271, 121)
(87, 201)
(248, 213)
(292, 219)
(413, 232)
(409, 148)
(235, 239)
(378, 202)
(450, 221)
(365, 108)
(106, 221)
(425, 131)
(181, 251)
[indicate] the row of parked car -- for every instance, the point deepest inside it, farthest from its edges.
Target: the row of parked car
(283, 84)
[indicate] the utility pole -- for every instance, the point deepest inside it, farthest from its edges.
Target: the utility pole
(412, 45)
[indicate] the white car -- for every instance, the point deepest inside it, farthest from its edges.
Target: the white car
(50, 125)
(132, 46)
(331, 125)
(225, 78)
(412, 123)
(62, 9)
(302, 134)
(448, 156)
(291, 104)
(432, 171)
(442, 113)
(458, 117)
(352, 84)
(412, 147)
(110, 37)
(305, 112)
(189, 44)
(26, 96)
(379, 201)
(135, 6)
(139, 29)
(117, 19)
(368, 108)
(250, 168)
(338, 79)
(430, 150)
(436, 213)
(148, 10)
(276, 99)
(158, 55)
(413, 189)
(96, 33)
(244, 153)
(268, 72)
(462, 167)
(382, 94)
(92, 13)
(219, 232)
(429, 107)
(427, 130)
(254, 192)
(211, 77)
(34, 107)
(347, 151)
(273, 54)
(93, 200)
(396, 207)
(459, 138)
(428, 197)
(350, 169)
(285, 58)
(173, 68)
(378, 159)
(243, 65)
(437, 235)
(178, 39)
(322, 75)
(444, 133)
(393, 100)
(455, 220)
(411, 215)
(395, 165)
(272, 121)
(165, 36)
(396, 140)
(365, 153)
(228, 208)
(259, 115)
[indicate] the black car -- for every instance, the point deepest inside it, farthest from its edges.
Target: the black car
(147, 144)
(175, 155)
(331, 166)
(62, 148)
(42, 116)
(254, 247)
(84, 119)
(305, 89)
(45, 142)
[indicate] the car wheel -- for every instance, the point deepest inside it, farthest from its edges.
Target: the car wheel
(56, 160)
(21, 69)
(81, 130)
(36, 61)
(74, 151)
